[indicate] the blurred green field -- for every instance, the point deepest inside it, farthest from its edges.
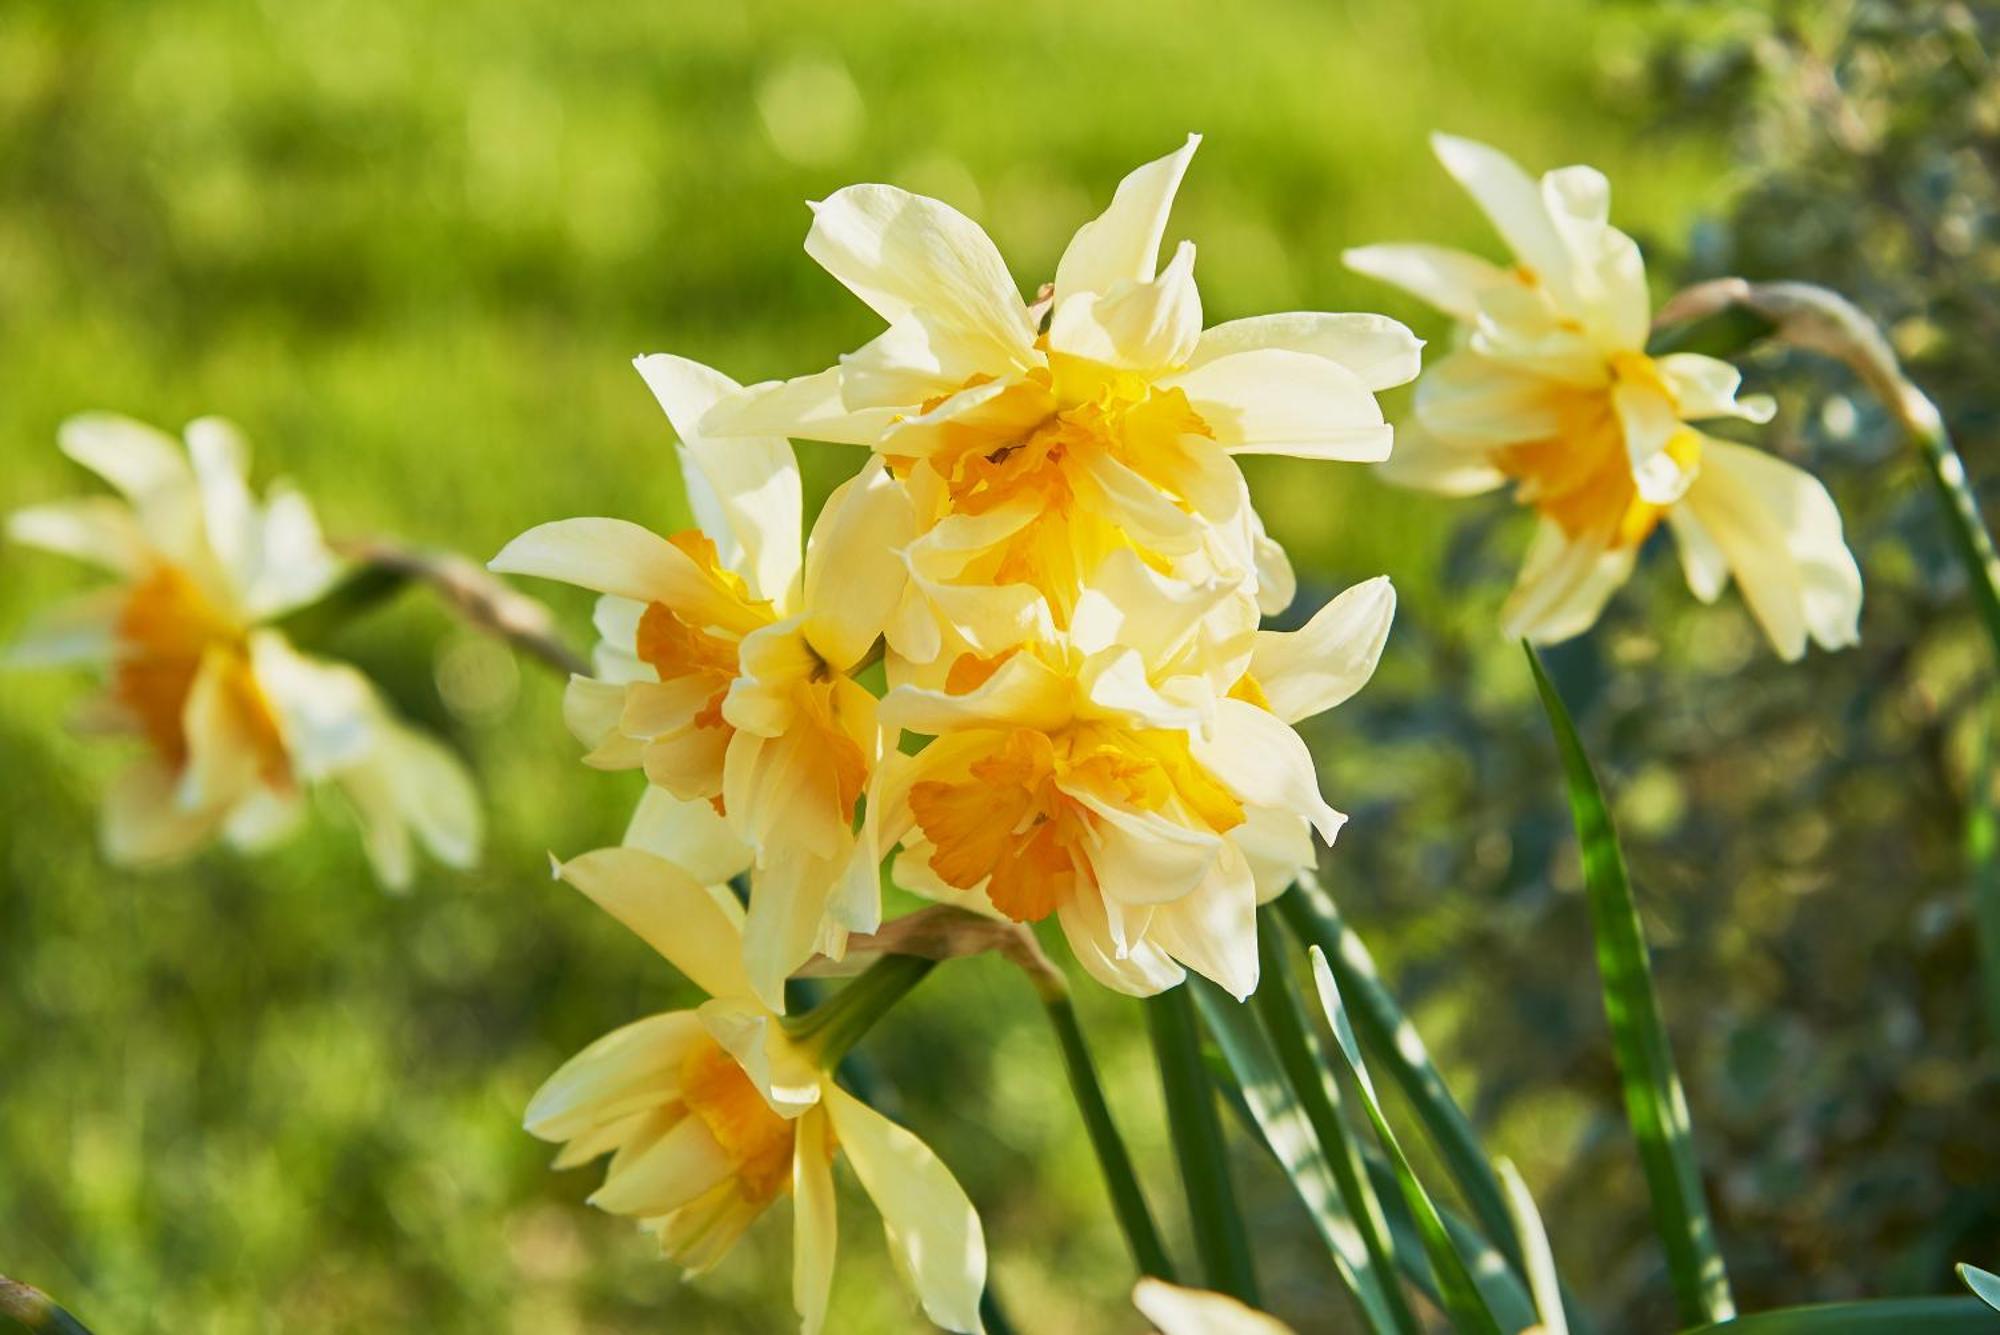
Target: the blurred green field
(411, 248)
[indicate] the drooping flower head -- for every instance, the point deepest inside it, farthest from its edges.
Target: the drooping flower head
(237, 724)
(1552, 389)
(711, 1115)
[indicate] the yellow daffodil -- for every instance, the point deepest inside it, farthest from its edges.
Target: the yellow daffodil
(711, 1115)
(725, 667)
(1147, 797)
(237, 723)
(1174, 1310)
(1553, 390)
(1035, 440)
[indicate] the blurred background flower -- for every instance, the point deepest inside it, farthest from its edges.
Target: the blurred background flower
(413, 247)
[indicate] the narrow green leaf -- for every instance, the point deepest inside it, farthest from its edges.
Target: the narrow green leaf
(1287, 1132)
(1461, 1298)
(1498, 1283)
(1982, 855)
(1985, 1285)
(1654, 1103)
(1885, 1316)
(1128, 1202)
(1196, 1131)
(1535, 1243)
(35, 1310)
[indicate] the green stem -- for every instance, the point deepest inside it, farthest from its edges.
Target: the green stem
(1722, 333)
(36, 1310)
(829, 1029)
(1975, 545)
(1196, 1130)
(1982, 853)
(1309, 1074)
(1128, 1202)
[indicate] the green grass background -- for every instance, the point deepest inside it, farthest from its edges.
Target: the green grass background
(411, 246)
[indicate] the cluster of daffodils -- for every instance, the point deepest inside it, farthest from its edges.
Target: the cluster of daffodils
(1017, 658)
(237, 725)
(1551, 388)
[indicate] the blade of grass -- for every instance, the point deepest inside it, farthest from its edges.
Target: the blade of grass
(1196, 1131)
(1985, 1285)
(1284, 1127)
(1654, 1104)
(1535, 1242)
(1461, 1298)
(1982, 855)
(1128, 1202)
(1882, 1316)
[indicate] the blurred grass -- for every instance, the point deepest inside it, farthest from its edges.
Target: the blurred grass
(412, 247)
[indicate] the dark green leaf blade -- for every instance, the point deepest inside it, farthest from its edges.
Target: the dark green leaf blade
(1885, 1316)
(1985, 1285)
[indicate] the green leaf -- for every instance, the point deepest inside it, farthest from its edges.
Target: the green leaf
(1461, 1298)
(1985, 1285)
(1128, 1202)
(1288, 1133)
(1887, 1316)
(1497, 1282)
(1654, 1103)
(1535, 1244)
(1196, 1131)
(1982, 855)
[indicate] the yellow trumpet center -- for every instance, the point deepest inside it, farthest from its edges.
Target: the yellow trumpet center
(1580, 475)
(758, 1141)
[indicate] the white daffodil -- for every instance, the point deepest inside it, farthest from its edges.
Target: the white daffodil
(1147, 795)
(710, 1115)
(724, 669)
(1034, 441)
(238, 724)
(1553, 390)
(1174, 1310)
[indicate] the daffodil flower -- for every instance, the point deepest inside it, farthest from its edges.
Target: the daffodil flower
(1034, 441)
(725, 667)
(1147, 797)
(237, 723)
(710, 1115)
(1553, 390)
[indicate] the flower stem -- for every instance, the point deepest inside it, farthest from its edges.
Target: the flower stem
(1196, 1129)
(1128, 1202)
(829, 1029)
(35, 1310)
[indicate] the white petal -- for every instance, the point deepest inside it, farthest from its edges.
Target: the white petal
(744, 490)
(691, 835)
(1379, 351)
(591, 708)
(143, 824)
(1128, 603)
(225, 761)
(934, 1233)
(221, 460)
(1702, 559)
(690, 925)
(434, 794)
(901, 253)
(1023, 692)
(1563, 585)
(295, 564)
(137, 459)
(1428, 462)
(1144, 326)
(1781, 534)
(1512, 201)
(1140, 858)
(789, 894)
(1312, 669)
(1257, 756)
(83, 629)
(1136, 968)
(1450, 280)
(96, 529)
(1213, 929)
(808, 407)
(1647, 420)
(1705, 387)
(1468, 400)
(1179, 1311)
(328, 712)
(1272, 401)
(855, 569)
(815, 1227)
(614, 556)
(1122, 244)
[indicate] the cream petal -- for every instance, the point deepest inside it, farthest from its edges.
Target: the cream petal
(1379, 351)
(139, 460)
(1213, 928)
(1512, 201)
(691, 835)
(1428, 462)
(1450, 280)
(1705, 387)
(96, 529)
(1114, 685)
(1149, 325)
(83, 629)
(902, 253)
(142, 823)
(1258, 756)
(789, 894)
(1563, 585)
(700, 1234)
(681, 1165)
(934, 1233)
(1129, 603)
(1122, 244)
(596, 1085)
(809, 407)
(856, 574)
(1702, 559)
(591, 708)
(221, 459)
(686, 762)
(815, 1226)
(617, 557)
(1780, 532)
(1277, 585)
(385, 839)
(1278, 845)
(262, 819)
(1468, 399)
(328, 713)
(1312, 669)
(1024, 692)
(434, 794)
(1138, 969)
(1273, 401)
(744, 490)
(1141, 858)
(697, 930)
(224, 761)
(1180, 1311)
(296, 566)
(1649, 424)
